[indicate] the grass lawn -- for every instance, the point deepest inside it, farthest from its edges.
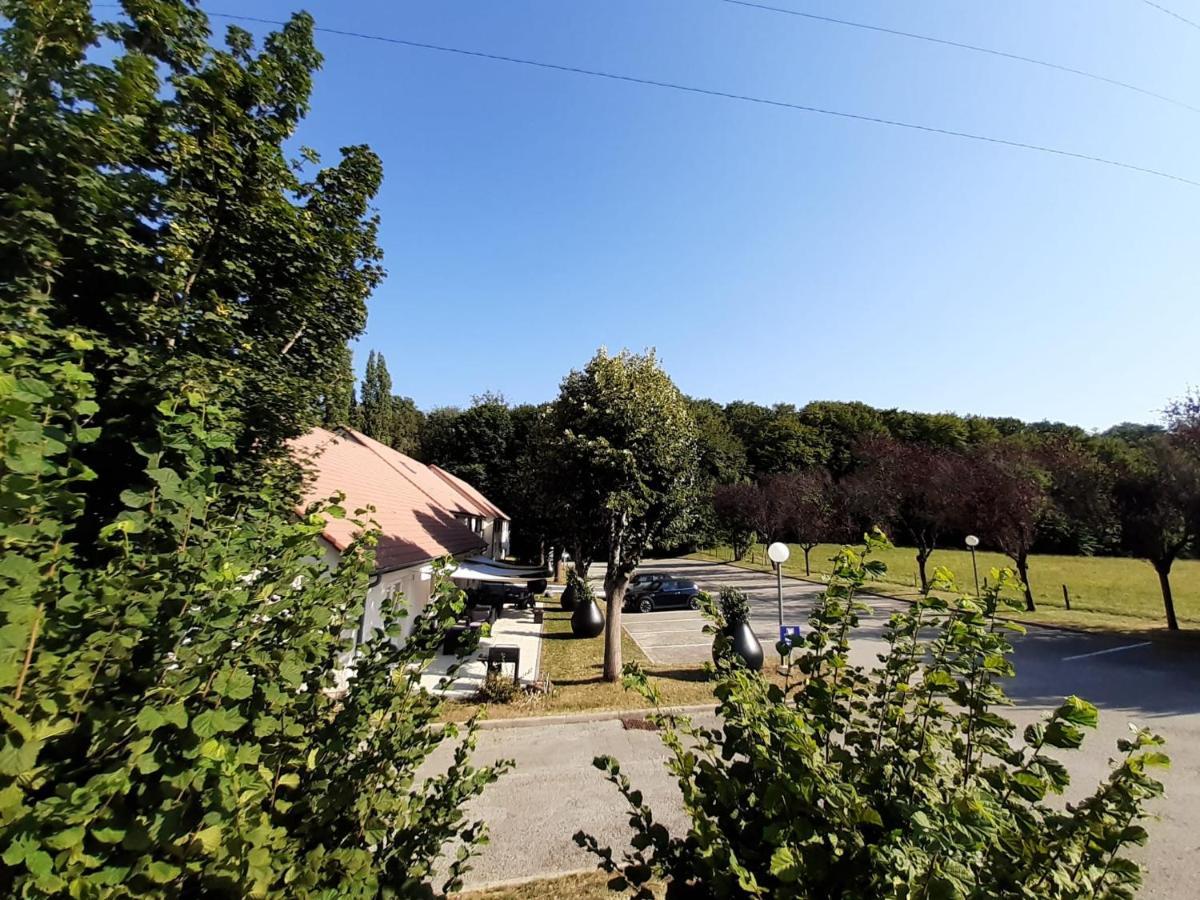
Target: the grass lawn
(589, 886)
(575, 666)
(1109, 593)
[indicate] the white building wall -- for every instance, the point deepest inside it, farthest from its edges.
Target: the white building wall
(408, 585)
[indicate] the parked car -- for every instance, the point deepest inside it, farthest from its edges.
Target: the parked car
(664, 593)
(643, 580)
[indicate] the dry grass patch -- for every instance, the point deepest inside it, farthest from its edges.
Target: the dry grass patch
(585, 886)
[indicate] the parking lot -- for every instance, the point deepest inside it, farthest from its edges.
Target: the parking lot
(675, 636)
(1153, 683)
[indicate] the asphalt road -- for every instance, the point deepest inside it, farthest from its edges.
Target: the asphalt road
(555, 791)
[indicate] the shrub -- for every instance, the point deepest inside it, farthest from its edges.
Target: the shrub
(499, 689)
(735, 608)
(173, 724)
(902, 781)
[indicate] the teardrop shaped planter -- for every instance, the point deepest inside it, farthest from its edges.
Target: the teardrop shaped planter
(567, 598)
(745, 645)
(587, 621)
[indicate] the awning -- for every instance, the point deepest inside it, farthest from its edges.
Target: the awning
(481, 568)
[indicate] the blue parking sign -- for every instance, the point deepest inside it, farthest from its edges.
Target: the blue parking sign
(790, 634)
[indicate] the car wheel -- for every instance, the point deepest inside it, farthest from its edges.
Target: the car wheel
(645, 605)
(694, 601)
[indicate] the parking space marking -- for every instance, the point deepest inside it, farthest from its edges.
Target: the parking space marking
(1109, 650)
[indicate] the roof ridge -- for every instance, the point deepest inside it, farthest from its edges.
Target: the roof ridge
(463, 487)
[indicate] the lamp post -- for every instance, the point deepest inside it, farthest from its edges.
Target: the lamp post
(778, 554)
(973, 542)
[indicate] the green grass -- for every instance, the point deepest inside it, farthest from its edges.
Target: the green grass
(576, 666)
(1108, 593)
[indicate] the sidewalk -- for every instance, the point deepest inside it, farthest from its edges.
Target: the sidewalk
(514, 628)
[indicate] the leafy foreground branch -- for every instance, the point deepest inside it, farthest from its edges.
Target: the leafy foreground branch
(902, 781)
(174, 724)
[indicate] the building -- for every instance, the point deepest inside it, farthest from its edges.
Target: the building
(423, 512)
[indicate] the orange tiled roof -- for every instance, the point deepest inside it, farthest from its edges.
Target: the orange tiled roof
(416, 510)
(485, 507)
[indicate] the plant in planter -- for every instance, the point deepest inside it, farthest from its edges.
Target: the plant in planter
(735, 638)
(587, 621)
(567, 599)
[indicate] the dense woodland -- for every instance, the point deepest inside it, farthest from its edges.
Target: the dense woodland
(827, 470)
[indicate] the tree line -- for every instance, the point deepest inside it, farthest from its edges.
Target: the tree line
(828, 470)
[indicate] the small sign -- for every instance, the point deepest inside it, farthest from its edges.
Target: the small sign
(790, 634)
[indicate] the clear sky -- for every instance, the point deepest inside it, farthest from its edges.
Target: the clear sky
(531, 216)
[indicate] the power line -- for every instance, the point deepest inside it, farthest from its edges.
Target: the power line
(728, 95)
(945, 42)
(1172, 14)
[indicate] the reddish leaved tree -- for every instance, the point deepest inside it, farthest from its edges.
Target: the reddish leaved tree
(1158, 503)
(736, 507)
(1010, 493)
(922, 491)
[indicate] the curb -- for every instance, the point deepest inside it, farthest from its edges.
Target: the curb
(604, 715)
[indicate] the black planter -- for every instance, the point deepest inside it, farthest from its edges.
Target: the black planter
(587, 621)
(567, 598)
(745, 645)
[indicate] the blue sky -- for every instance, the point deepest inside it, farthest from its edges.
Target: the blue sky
(770, 255)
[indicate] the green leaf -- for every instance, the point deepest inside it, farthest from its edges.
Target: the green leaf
(162, 872)
(784, 866)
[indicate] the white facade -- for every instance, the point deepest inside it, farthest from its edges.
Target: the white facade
(408, 585)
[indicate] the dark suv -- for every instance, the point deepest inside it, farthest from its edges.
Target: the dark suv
(664, 592)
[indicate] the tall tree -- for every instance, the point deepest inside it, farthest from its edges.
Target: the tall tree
(1010, 496)
(147, 199)
(375, 410)
(735, 507)
(921, 490)
(625, 431)
(337, 397)
(1158, 502)
(813, 512)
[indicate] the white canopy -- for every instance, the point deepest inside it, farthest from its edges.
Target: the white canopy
(482, 568)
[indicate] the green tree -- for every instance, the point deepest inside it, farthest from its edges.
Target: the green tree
(337, 399)
(376, 417)
(146, 199)
(903, 780)
(474, 443)
(178, 720)
(407, 422)
(624, 433)
(1158, 503)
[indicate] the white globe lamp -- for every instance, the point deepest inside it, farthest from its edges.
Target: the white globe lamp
(778, 553)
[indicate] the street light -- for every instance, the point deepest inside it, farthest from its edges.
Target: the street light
(972, 543)
(778, 554)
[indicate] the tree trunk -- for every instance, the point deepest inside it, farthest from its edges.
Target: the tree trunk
(614, 595)
(1022, 559)
(1164, 580)
(922, 558)
(807, 549)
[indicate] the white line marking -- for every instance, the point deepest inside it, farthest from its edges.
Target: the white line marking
(640, 632)
(1109, 650)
